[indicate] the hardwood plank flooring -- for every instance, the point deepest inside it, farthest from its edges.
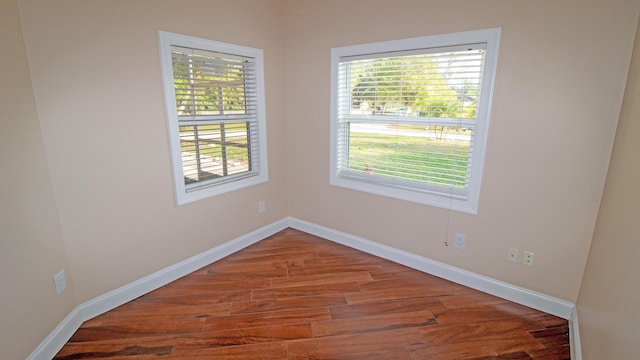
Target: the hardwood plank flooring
(297, 296)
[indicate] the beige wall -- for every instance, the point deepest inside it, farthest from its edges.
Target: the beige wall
(94, 150)
(96, 75)
(609, 296)
(560, 78)
(31, 246)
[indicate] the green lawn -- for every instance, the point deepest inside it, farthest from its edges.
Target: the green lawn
(410, 157)
(407, 157)
(453, 130)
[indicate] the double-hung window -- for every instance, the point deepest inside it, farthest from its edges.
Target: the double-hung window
(410, 117)
(214, 96)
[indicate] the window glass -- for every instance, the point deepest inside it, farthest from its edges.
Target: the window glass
(410, 117)
(215, 110)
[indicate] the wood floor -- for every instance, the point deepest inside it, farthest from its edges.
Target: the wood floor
(297, 296)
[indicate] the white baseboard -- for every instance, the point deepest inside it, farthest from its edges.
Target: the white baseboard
(131, 291)
(103, 303)
(574, 335)
(536, 300)
(50, 346)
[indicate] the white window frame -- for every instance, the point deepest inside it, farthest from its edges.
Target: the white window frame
(467, 203)
(183, 193)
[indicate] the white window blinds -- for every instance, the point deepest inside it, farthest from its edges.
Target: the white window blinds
(214, 94)
(408, 118)
(217, 113)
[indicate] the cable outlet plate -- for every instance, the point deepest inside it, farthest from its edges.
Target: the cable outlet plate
(459, 241)
(512, 256)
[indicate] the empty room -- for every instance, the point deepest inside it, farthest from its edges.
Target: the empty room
(319, 179)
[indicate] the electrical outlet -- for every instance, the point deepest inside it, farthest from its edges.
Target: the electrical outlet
(527, 259)
(262, 207)
(60, 282)
(459, 241)
(512, 256)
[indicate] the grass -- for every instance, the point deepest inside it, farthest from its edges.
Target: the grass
(410, 157)
(454, 130)
(416, 158)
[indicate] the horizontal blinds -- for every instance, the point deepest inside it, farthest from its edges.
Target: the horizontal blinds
(426, 158)
(210, 85)
(216, 105)
(409, 119)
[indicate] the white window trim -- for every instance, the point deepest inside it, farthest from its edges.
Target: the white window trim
(468, 205)
(166, 40)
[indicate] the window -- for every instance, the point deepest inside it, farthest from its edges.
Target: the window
(409, 117)
(214, 96)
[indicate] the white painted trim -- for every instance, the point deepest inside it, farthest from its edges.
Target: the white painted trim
(126, 293)
(165, 41)
(435, 196)
(536, 300)
(50, 346)
(574, 335)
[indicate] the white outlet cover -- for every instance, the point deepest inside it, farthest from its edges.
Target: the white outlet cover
(512, 256)
(459, 241)
(528, 257)
(60, 282)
